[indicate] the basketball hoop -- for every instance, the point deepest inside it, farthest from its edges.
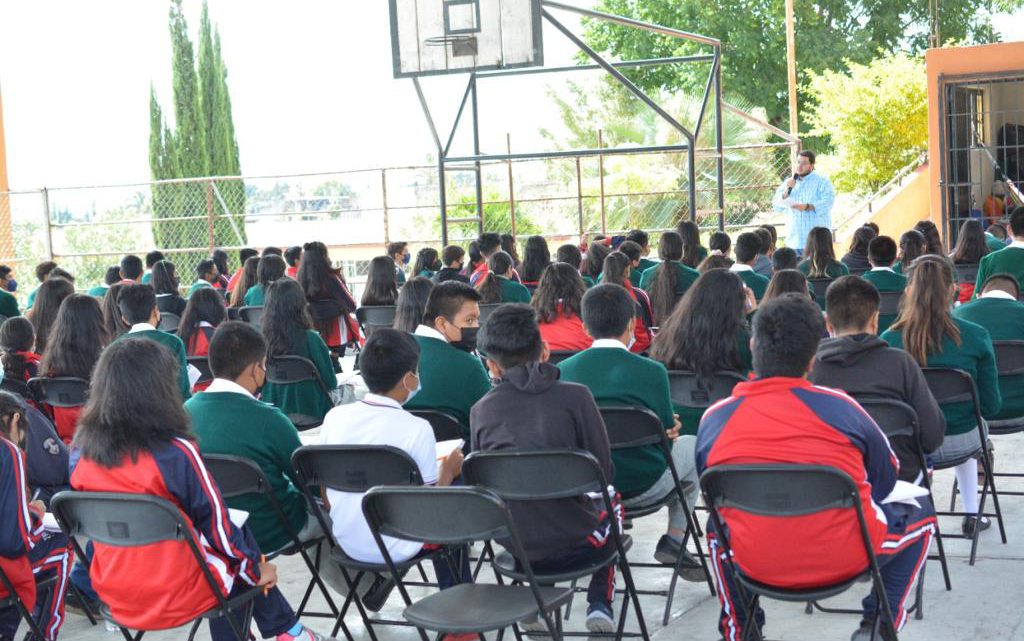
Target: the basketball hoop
(461, 44)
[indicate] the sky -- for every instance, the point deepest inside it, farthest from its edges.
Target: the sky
(311, 85)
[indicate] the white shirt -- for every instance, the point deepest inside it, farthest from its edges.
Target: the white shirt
(429, 332)
(141, 327)
(224, 385)
(997, 293)
(741, 267)
(883, 269)
(609, 342)
(1019, 244)
(375, 420)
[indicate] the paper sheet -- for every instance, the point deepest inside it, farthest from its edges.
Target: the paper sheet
(193, 375)
(444, 448)
(789, 202)
(904, 492)
(238, 517)
(50, 523)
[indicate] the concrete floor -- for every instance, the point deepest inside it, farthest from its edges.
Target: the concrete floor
(984, 604)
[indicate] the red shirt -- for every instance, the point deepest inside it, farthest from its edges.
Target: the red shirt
(234, 279)
(199, 345)
(566, 334)
(292, 272)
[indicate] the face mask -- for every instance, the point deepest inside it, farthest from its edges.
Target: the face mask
(405, 258)
(412, 393)
(468, 341)
(436, 266)
(12, 285)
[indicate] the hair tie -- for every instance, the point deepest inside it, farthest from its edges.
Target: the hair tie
(717, 252)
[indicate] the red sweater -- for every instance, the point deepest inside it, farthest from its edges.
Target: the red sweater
(566, 333)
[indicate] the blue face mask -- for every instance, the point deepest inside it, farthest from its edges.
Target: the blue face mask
(12, 285)
(412, 393)
(405, 258)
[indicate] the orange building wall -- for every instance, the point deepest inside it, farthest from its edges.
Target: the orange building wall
(909, 204)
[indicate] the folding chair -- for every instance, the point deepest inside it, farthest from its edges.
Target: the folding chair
(486, 310)
(201, 363)
(782, 491)
(17, 387)
(552, 475)
(446, 427)
(1009, 362)
(12, 600)
(957, 386)
(461, 515)
(355, 469)
(252, 315)
(138, 520)
(169, 322)
(630, 427)
(860, 271)
(239, 476)
(890, 303)
(372, 318)
(294, 370)
(966, 273)
(560, 355)
(818, 287)
(59, 391)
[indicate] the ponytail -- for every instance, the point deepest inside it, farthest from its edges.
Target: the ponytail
(489, 286)
(666, 278)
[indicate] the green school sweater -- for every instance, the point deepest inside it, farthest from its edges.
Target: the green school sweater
(173, 343)
(255, 296)
(886, 281)
(645, 264)
(634, 277)
(974, 356)
(1005, 261)
(196, 286)
(513, 292)
(617, 377)
(427, 273)
(756, 282)
(1004, 320)
(686, 277)
(994, 244)
(451, 380)
(99, 291)
(306, 397)
(239, 425)
(588, 281)
(689, 416)
(8, 304)
(31, 298)
(146, 278)
(834, 270)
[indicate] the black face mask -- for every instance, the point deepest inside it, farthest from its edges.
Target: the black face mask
(436, 266)
(468, 341)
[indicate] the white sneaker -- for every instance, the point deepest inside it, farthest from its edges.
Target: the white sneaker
(599, 621)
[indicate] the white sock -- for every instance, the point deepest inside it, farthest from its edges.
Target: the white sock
(967, 479)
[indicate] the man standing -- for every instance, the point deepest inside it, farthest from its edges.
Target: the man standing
(807, 199)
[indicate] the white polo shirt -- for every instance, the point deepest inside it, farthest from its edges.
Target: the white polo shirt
(375, 420)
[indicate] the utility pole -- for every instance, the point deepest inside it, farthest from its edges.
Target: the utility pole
(794, 124)
(934, 41)
(6, 235)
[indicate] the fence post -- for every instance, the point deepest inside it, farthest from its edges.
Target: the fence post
(579, 194)
(384, 203)
(600, 164)
(511, 188)
(47, 224)
(210, 234)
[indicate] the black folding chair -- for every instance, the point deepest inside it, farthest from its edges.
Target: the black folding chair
(295, 370)
(201, 363)
(238, 476)
(455, 516)
(372, 318)
(966, 273)
(860, 271)
(169, 322)
(138, 520)
(252, 315)
(547, 476)
(355, 469)
(12, 600)
(233, 313)
(59, 391)
(1009, 363)
(17, 387)
(446, 427)
(486, 310)
(957, 386)
(818, 287)
(890, 303)
(559, 355)
(630, 427)
(782, 491)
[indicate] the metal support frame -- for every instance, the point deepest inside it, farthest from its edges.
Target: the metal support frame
(712, 91)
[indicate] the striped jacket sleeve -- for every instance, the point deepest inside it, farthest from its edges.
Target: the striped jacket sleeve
(22, 524)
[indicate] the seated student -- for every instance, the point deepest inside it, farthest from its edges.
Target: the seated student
(818, 426)
(856, 258)
(293, 256)
(112, 276)
(571, 255)
(220, 260)
(497, 286)
(203, 315)
(763, 261)
(670, 279)
(1009, 260)
(930, 232)
(206, 276)
(784, 258)
(453, 378)
(135, 436)
(328, 298)
(427, 263)
(536, 258)
(453, 257)
(138, 311)
(927, 331)
(17, 336)
(486, 245)
(152, 258)
(997, 310)
(720, 244)
(820, 257)
(970, 249)
(43, 270)
(8, 303)
(615, 268)
(508, 245)
(881, 255)
(400, 256)
(643, 240)
(43, 314)
(244, 254)
(26, 550)
(853, 358)
(530, 409)
(593, 262)
(289, 332)
(412, 301)
(131, 269)
(227, 419)
(995, 237)
(381, 286)
(269, 269)
(249, 278)
(112, 320)
(912, 245)
(693, 252)
(707, 333)
(618, 378)
(164, 279)
(631, 251)
(786, 281)
(557, 302)
(747, 246)
(269, 250)
(715, 261)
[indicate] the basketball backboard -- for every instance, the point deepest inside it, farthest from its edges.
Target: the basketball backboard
(431, 37)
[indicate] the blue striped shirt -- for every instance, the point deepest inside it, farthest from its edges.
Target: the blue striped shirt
(812, 189)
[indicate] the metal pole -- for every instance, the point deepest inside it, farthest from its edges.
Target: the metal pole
(511, 188)
(47, 227)
(579, 194)
(210, 235)
(476, 167)
(794, 125)
(628, 22)
(719, 138)
(600, 165)
(442, 197)
(384, 203)
(692, 171)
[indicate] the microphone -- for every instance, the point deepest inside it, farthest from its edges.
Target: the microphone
(796, 176)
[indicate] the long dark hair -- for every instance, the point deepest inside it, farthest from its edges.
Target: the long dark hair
(508, 245)
(51, 294)
(475, 257)
(133, 406)
(284, 317)
(818, 252)
(616, 269)
(78, 338)
(489, 286)
(16, 335)
(315, 270)
(412, 301)
(931, 236)
(786, 281)
(270, 268)
(861, 238)
(912, 244)
(536, 257)
(720, 242)
(112, 312)
(381, 288)
(690, 234)
(560, 291)
(700, 335)
(165, 278)
(205, 304)
(593, 260)
(666, 278)
(249, 277)
(220, 259)
(426, 260)
(970, 244)
(924, 316)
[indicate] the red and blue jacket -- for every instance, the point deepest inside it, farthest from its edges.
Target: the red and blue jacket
(161, 586)
(21, 525)
(790, 420)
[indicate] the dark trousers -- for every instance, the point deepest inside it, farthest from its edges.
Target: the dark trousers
(903, 554)
(602, 583)
(52, 555)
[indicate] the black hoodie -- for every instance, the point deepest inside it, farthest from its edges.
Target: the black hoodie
(532, 410)
(864, 365)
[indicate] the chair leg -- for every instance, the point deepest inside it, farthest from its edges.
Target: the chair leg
(952, 496)
(85, 606)
(991, 482)
(943, 563)
(627, 579)
(919, 596)
(317, 581)
(672, 589)
(572, 598)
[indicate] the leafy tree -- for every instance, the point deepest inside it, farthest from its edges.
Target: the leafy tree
(876, 115)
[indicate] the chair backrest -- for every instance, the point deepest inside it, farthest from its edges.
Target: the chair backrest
(201, 363)
(60, 391)
(889, 303)
(446, 427)
(818, 287)
(120, 520)
(779, 489)
(950, 385)
(440, 515)
(632, 427)
(252, 315)
(372, 318)
(966, 273)
(535, 476)
(355, 468)
(169, 322)
(486, 310)
(686, 390)
(233, 313)
(859, 271)
(236, 475)
(559, 355)
(17, 387)
(1009, 357)
(895, 418)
